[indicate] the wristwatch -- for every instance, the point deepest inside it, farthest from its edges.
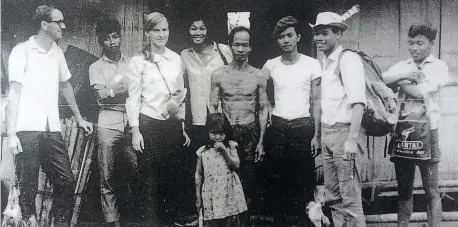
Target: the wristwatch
(112, 94)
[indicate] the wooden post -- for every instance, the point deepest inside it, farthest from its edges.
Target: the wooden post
(83, 176)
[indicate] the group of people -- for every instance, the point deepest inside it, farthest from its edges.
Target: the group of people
(200, 121)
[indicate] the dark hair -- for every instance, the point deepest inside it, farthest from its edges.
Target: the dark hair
(238, 29)
(42, 13)
(424, 28)
(285, 23)
(211, 36)
(105, 27)
(150, 21)
(219, 123)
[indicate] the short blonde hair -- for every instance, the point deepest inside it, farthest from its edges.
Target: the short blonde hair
(152, 19)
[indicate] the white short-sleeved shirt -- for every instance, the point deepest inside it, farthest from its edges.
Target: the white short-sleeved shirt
(292, 85)
(39, 72)
(436, 76)
(338, 95)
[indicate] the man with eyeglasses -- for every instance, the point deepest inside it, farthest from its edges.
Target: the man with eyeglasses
(37, 71)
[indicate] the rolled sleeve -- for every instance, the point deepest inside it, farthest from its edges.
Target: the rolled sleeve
(353, 78)
(95, 74)
(267, 68)
(390, 72)
(133, 102)
(64, 72)
(316, 70)
(16, 64)
(399, 67)
(433, 85)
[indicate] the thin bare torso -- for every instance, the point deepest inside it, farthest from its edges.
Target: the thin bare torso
(238, 94)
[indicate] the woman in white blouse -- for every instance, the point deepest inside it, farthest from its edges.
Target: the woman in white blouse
(155, 110)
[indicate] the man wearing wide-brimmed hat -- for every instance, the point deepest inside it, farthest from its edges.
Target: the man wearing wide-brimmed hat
(342, 101)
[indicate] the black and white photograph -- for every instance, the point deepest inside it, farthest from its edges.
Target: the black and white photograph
(229, 113)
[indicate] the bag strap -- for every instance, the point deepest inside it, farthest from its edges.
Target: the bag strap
(163, 79)
(337, 70)
(221, 54)
(385, 149)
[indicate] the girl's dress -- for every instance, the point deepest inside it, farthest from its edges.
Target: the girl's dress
(222, 193)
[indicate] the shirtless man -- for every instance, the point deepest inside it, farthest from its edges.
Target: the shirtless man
(241, 88)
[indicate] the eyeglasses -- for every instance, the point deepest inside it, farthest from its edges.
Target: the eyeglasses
(60, 22)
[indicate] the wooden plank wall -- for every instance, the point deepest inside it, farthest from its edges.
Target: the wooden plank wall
(449, 96)
(380, 29)
(80, 17)
(449, 36)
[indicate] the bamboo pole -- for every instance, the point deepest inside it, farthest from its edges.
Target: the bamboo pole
(419, 191)
(416, 217)
(392, 185)
(44, 199)
(83, 176)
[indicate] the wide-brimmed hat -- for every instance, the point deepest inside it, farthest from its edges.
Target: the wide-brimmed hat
(330, 18)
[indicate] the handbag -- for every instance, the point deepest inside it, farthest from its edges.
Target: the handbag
(411, 137)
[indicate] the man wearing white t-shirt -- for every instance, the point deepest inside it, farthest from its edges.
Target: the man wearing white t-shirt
(295, 78)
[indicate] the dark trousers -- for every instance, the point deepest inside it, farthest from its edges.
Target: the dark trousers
(45, 149)
(293, 165)
(405, 175)
(247, 137)
(161, 169)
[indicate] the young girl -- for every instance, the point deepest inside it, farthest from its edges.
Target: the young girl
(218, 188)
